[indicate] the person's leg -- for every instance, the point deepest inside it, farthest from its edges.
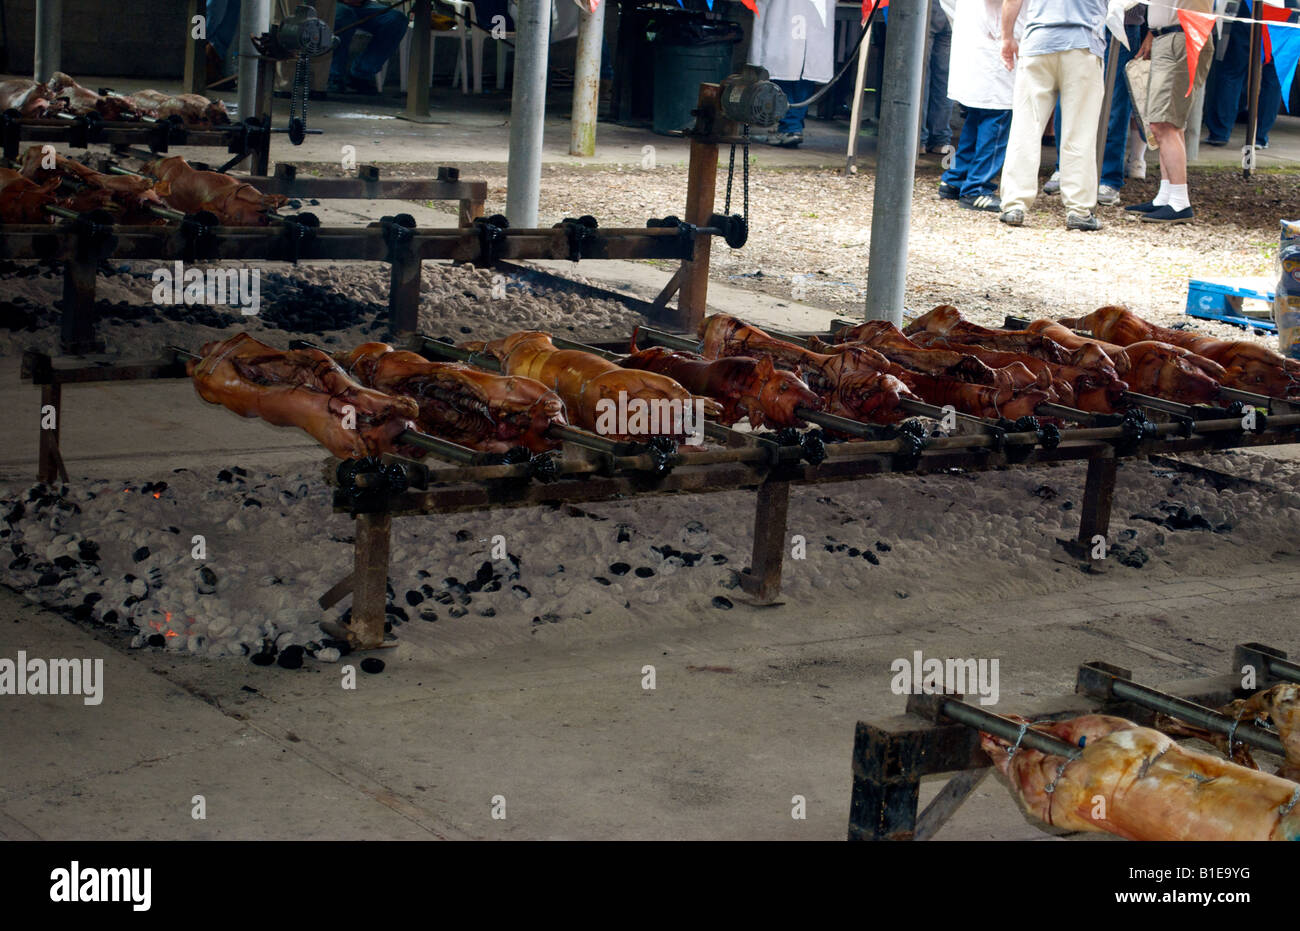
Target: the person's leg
(1221, 101)
(1082, 90)
(1270, 102)
(1121, 108)
(967, 151)
(938, 124)
(386, 32)
(344, 17)
(1034, 96)
(990, 153)
(792, 122)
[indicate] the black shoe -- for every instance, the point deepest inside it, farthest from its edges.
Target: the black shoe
(363, 85)
(1167, 214)
(1217, 143)
(987, 202)
(1142, 208)
(948, 191)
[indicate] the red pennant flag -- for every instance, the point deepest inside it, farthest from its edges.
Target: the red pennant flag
(869, 5)
(751, 5)
(1276, 14)
(1196, 29)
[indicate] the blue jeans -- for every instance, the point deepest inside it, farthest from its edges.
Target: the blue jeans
(1227, 82)
(792, 122)
(386, 32)
(936, 108)
(223, 24)
(1121, 108)
(981, 149)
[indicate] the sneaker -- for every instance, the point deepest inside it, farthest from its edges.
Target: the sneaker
(758, 137)
(1262, 145)
(1217, 143)
(1082, 221)
(948, 191)
(988, 202)
(1013, 217)
(1167, 214)
(1137, 170)
(364, 85)
(786, 140)
(1107, 196)
(1053, 185)
(1142, 208)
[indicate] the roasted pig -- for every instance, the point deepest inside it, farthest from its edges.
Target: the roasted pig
(584, 380)
(190, 190)
(745, 387)
(1248, 366)
(23, 200)
(31, 99)
(945, 321)
(303, 388)
(74, 98)
(1279, 706)
(193, 109)
(487, 412)
(1138, 783)
(889, 341)
(129, 195)
(1172, 373)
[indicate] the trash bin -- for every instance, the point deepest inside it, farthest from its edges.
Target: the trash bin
(687, 53)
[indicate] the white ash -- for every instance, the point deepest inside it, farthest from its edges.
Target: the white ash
(112, 553)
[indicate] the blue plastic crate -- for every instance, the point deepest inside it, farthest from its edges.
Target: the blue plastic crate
(1221, 301)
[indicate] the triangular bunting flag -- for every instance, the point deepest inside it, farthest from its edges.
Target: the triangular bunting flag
(1196, 27)
(751, 5)
(1286, 49)
(869, 5)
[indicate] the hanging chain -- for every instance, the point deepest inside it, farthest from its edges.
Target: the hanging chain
(731, 174)
(746, 156)
(299, 94)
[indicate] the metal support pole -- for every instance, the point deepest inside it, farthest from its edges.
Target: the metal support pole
(78, 316)
(763, 579)
(1256, 74)
(370, 579)
(49, 464)
(586, 83)
(254, 19)
(1098, 493)
(1103, 121)
(701, 191)
(196, 59)
(49, 38)
(891, 216)
(527, 112)
(420, 64)
(404, 295)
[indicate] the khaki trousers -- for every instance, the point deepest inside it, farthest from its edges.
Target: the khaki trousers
(1077, 75)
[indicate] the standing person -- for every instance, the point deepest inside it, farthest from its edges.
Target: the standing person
(936, 107)
(223, 27)
(386, 28)
(1114, 161)
(1223, 96)
(1060, 53)
(979, 82)
(793, 40)
(1168, 104)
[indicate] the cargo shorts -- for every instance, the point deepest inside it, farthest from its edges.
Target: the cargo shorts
(1167, 97)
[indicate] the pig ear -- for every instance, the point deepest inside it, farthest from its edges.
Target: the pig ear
(765, 368)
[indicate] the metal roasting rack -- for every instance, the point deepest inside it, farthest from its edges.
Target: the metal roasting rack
(939, 734)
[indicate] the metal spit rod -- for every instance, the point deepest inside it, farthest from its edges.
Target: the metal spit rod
(1103, 682)
(1008, 730)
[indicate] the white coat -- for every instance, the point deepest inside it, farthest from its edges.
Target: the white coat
(976, 75)
(786, 58)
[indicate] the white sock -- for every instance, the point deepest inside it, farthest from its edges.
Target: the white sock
(1162, 196)
(1178, 196)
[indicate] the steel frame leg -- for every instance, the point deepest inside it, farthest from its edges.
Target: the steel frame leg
(1098, 495)
(885, 793)
(49, 464)
(763, 579)
(370, 580)
(404, 296)
(78, 319)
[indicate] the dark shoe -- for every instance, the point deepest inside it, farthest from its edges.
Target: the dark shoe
(1262, 145)
(363, 85)
(1082, 221)
(1167, 214)
(1013, 217)
(785, 140)
(1141, 208)
(948, 191)
(1217, 143)
(336, 85)
(988, 202)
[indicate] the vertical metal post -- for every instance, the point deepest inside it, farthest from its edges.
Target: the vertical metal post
(1103, 121)
(196, 57)
(49, 463)
(763, 578)
(528, 112)
(586, 83)
(1255, 76)
(855, 111)
(78, 316)
(701, 191)
(891, 216)
(370, 579)
(254, 19)
(420, 63)
(404, 294)
(49, 38)
(1098, 494)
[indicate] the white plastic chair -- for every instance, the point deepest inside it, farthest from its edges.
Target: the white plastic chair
(471, 47)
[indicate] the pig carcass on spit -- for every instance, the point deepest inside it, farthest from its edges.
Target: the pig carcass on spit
(72, 97)
(31, 99)
(1279, 705)
(23, 200)
(127, 194)
(1139, 784)
(232, 201)
(193, 109)
(487, 412)
(303, 388)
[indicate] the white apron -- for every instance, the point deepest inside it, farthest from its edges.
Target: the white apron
(772, 45)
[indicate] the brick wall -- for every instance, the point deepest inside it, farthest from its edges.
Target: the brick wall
(124, 38)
